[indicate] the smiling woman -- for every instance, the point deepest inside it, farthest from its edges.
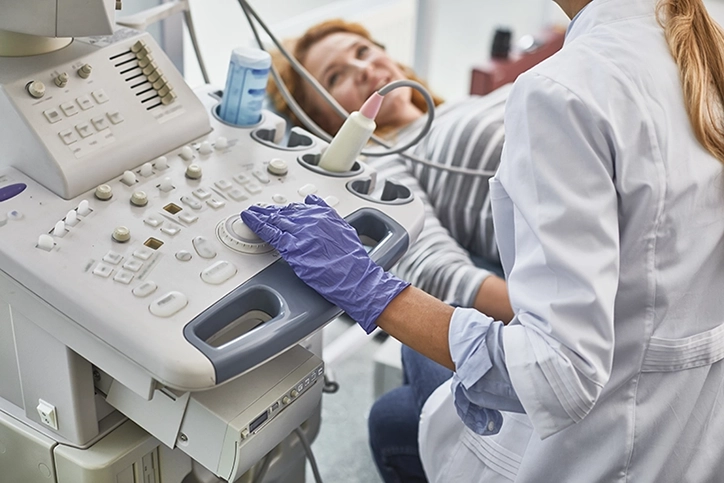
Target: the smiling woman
(345, 59)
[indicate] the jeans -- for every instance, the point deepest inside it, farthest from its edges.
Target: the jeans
(394, 418)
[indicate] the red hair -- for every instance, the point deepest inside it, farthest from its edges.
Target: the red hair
(300, 47)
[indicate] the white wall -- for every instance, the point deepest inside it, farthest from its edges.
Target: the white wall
(463, 32)
(221, 26)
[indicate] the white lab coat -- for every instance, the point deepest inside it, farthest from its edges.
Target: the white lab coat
(610, 223)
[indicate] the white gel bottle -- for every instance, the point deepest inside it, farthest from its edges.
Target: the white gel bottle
(352, 137)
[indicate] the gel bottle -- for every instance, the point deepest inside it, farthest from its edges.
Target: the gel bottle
(245, 86)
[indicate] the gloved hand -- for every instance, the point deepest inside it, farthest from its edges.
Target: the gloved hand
(326, 253)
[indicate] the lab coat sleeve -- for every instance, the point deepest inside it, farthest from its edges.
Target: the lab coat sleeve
(557, 169)
(481, 385)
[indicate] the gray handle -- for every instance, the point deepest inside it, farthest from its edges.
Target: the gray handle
(291, 309)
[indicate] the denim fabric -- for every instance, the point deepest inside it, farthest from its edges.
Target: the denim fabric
(394, 418)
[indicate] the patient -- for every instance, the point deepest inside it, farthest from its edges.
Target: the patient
(457, 240)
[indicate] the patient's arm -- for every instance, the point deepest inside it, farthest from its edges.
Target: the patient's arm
(437, 264)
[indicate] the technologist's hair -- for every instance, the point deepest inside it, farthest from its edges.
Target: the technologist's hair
(299, 48)
(697, 43)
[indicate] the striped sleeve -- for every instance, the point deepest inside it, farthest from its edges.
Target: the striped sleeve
(458, 221)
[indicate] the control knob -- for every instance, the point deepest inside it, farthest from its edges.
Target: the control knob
(104, 192)
(277, 167)
(121, 234)
(139, 198)
(61, 79)
(36, 89)
(233, 233)
(193, 171)
(85, 71)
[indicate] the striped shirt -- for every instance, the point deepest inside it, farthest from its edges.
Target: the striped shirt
(467, 133)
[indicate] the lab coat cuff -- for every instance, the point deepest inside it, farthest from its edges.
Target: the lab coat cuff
(467, 338)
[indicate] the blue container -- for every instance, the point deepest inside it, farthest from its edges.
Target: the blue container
(245, 86)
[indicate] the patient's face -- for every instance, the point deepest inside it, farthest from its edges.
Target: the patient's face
(351, 68)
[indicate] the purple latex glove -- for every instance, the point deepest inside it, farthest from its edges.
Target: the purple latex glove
(326, 253)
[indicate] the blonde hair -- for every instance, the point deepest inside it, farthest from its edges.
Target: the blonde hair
(300, 47)
(697, 44)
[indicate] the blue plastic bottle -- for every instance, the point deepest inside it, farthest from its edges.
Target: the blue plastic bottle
(245, 86)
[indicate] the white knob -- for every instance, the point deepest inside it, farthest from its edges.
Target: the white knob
(61, 79)
(146, 170)
(278, 167)
(85, 71)
(243, 231)
(45, 242)
(166, 185)
(59, 229)
(186, 153)
(221, 143)
(193, 171)
(104, 192)
(36, 89)
(139, 198)
(205, 148)
(84, 208)
(121, 234)
(161, 162)
(129, 178)
(71, 218)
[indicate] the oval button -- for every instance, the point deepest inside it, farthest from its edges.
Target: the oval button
(10, 191)
(169, 304)
(203, 247)
(145, 289)
(219, 272)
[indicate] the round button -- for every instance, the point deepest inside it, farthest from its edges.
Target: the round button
(286, 400)
(186, 153)
(280, 199)
(61, 79)
(294, 393)
(277, 167)
(129, 178)
(193, 171)
(15, 215)
(36, 89)
(221, 143)
(161, 162)
(85, 71)
(183, 255)
(146, 170)
(205, 148)
(139, 198)
(121, 234)
(104, 192)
